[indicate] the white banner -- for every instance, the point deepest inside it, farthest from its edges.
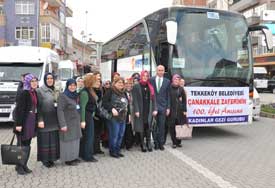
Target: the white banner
(217, 105)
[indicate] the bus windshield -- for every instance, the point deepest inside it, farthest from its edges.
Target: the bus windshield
(10, 72)
(212, 46)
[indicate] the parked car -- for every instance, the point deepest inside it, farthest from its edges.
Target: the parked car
(256, 105)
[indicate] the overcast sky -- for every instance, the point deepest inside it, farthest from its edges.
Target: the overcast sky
(106, 18)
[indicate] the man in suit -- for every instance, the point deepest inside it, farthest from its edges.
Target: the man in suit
(162, 91)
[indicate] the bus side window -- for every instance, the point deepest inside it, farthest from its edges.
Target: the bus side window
(163, 58)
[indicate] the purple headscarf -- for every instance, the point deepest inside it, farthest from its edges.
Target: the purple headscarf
(27, 81)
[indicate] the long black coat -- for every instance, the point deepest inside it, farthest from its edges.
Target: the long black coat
(138, 107)
(23, 107)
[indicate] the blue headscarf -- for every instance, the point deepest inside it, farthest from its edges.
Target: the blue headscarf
(27, 81)
(67, 92)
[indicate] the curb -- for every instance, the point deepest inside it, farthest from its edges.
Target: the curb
(266, 114)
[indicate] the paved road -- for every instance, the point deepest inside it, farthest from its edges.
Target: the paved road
(267, 98)
(235, 157)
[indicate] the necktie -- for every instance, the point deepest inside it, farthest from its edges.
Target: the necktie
(158, 86)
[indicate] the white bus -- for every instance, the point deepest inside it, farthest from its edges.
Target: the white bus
(66, 70)
(18, 60)
(210, 48)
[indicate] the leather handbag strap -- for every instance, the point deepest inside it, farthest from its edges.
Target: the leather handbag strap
(12, 139)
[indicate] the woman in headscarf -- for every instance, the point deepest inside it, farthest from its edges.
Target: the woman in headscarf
(116, 102)
(80, 84)
(177, 114)
(25, 122)
(144, 108)
(69, 122)
(88, 100)
(48, 134)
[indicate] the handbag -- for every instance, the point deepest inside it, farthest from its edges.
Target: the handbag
(13, 154)
(183, 132)
(102, 112)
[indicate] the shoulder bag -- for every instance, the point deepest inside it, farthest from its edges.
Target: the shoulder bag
(13, 154)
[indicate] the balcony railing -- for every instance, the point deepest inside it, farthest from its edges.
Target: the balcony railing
(69, 12)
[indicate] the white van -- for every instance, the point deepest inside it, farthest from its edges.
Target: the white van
(260, 78)
(18, 60)
(66, 70)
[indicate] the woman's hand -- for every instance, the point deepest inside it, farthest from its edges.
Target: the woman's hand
(155, 113)
(83, 125)
(115, 112)
(64, 129)
(18, 128)
(137, 114)
(41, 125)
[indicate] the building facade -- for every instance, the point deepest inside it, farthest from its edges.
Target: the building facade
(81, 55)
(259, 12)
(199, 3)
(96, 54)
(218, 4)
(36, 23)
(19, 22)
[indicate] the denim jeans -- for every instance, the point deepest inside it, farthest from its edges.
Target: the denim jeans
(87, 141)
(116, 132)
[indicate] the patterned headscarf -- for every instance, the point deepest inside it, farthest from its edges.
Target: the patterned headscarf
(27, 82)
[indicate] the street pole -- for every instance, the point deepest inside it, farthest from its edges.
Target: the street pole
(38, 22)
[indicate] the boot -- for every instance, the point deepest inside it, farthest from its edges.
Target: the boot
(20, 170)
(25, 167)
(142, 144)
(148, 141)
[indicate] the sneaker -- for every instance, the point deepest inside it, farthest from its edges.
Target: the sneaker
(161, 148)
(174, 146)
(179, 145)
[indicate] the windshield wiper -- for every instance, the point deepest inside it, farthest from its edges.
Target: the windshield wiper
(214, 79)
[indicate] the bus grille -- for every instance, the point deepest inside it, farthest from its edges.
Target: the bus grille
(7, 97)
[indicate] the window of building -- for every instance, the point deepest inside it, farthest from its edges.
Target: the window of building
(45, 32)
(50, 33)
(24, 7)
(1, 9)
(26, 33)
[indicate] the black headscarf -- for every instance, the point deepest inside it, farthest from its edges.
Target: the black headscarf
(45, 80)
(67, 92)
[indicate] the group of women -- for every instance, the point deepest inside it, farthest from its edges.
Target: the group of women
(69, 125)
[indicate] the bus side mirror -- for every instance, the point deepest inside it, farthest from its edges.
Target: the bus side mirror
(268, 38)
(266, 32)
(172, 30)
